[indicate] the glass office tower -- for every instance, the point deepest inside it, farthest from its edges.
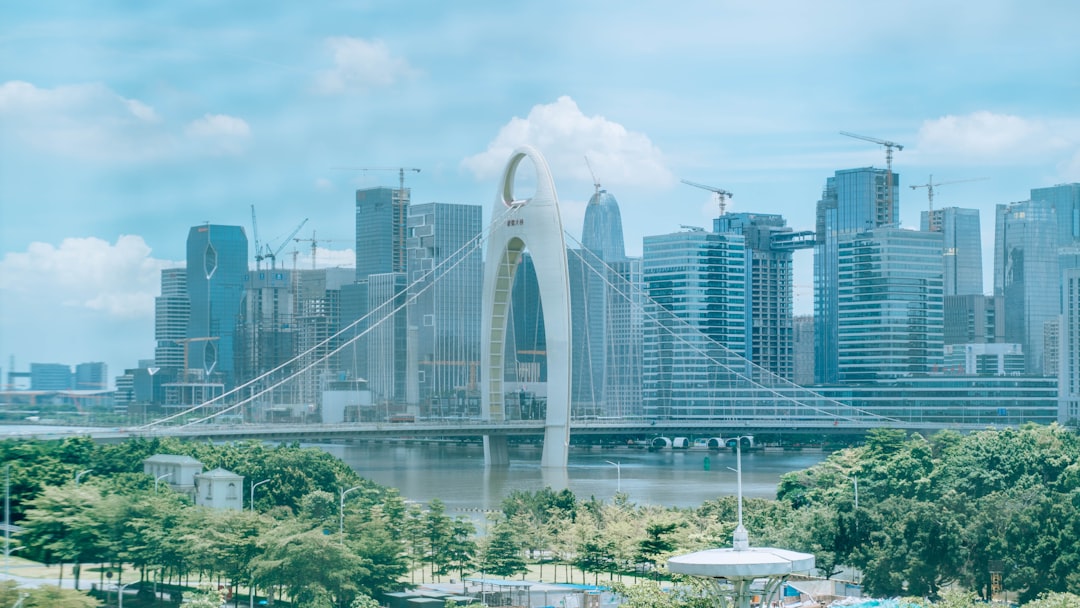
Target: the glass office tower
(961, 248)
(854, 200)
(890, 305)
(216, 272)
(446, 277)
(696, 315)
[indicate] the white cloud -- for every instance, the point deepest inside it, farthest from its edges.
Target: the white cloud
(327, 258)
(986, 137)
(87, 121)
(119, 280)
(324, 185)
(565, 136)
(222, 133)
(360, 65)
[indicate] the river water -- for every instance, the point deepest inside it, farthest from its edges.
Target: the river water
(455, 473)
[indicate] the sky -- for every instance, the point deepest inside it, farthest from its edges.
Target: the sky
(124, 124)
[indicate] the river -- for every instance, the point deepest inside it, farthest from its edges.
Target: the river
(455, 473)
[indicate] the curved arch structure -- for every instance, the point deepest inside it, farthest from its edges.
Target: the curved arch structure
(533, 223)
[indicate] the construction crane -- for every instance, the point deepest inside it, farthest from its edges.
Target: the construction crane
(273, 254)
(314, 246)
(889, 145)
(595, 182)
(930, 185)
(401, 173)
(721, 194)
(255, 235)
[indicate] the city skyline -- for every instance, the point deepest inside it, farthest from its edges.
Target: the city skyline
(121, 136)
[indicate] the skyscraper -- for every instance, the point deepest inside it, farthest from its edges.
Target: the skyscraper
(609, 348)
(1069, 368)
(696, 318)
(853, 201)
(172, 312)
(890, 305)
(771, 244)
(216, 272)
(446, 276)
(381, 224)
(961, 249)
(1027, 276)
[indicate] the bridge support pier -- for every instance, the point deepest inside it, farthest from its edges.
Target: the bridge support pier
(496, 452)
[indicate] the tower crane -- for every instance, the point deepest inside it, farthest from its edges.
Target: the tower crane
(889, 145)
(930, 185)
(721, 194)
(255, 235)
(595, 182)
(401, 173)
(314, 245)
(273, 254)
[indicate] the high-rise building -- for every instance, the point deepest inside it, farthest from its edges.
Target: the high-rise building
(771, 244)
(974, 319)
(607, 314)
(696, 316)
(890, 305)
(803, 326)
(172, 313)
(266, 336)
(216, 272)
(961, 249)
(1069, 361)
(446, 280)
(50, 377)
(92, 376)
(1026, 275)
(381, 227)
(387, 342)
(853, 201)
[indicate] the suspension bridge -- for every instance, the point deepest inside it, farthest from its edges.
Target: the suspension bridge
(689, 384)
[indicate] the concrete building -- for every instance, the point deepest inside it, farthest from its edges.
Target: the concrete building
(179, 472)
(983, 359)
(974, 319)
(803, 344)
(91, 376)
(219, 489)
(771, 244)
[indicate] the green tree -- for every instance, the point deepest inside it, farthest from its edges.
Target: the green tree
(501, 553)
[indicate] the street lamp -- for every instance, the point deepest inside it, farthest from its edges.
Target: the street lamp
(618, 475)
(742, 539)
(341, 513)
(251, 502)
(159, 478)
(80, 474)
(120, 593)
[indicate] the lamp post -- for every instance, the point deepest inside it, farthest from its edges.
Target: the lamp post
(618, 475)
(120, 593)
(159, 478)
(251, 502)
(341, 513)
(741, 539)
(80, 474)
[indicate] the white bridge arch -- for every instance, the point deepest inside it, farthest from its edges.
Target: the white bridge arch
(534, 223)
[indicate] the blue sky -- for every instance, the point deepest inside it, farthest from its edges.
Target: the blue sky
(123, 124)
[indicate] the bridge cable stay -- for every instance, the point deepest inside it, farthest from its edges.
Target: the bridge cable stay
(606, 271)
(457, 257)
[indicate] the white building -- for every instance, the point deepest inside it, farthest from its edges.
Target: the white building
(177, 471)
(219, 489)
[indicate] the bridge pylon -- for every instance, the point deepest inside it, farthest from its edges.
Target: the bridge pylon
(534, 223)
